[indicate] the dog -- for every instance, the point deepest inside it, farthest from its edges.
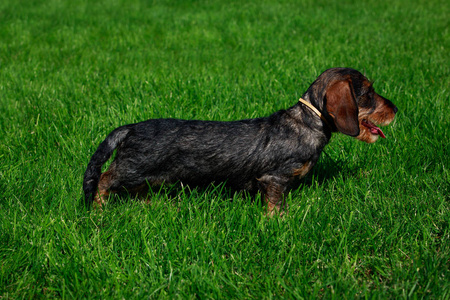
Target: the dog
(262, 154)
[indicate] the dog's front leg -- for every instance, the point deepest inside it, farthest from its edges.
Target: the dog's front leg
(272, 188)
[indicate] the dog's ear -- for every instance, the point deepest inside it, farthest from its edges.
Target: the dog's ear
(341, 106)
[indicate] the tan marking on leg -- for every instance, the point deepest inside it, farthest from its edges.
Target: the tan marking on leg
(100, 198)
(103, 189)
(275, 201)
(301, 172)
(272, 209)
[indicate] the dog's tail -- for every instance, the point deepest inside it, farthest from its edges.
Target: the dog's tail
(101, 155)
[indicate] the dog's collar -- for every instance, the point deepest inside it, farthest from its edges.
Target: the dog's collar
(315, 110)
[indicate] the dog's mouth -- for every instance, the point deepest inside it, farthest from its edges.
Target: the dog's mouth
(375, 130)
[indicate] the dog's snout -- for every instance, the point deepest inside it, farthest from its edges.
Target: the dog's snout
(391, 105)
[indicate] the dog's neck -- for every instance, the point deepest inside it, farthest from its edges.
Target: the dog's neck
(315, 110)
(320, 106)
(307, 125)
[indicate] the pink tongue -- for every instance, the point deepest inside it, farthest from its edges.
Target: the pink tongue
(374, 129)
(378, 131)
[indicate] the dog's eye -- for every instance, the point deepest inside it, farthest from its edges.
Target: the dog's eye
(365, 99)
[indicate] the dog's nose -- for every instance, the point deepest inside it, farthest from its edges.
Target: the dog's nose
(395, 109)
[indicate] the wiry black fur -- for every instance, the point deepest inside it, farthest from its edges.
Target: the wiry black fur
(248, 154)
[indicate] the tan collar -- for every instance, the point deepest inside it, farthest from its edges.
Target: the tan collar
(315, 110)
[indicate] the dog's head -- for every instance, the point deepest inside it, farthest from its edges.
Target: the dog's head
(347, 99)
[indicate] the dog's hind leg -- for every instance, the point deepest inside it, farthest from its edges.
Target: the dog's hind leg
(118, 179)
(104, 186)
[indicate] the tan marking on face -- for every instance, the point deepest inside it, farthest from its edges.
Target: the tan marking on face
(382, 115)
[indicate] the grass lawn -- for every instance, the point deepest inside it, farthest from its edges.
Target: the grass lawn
(370, 221)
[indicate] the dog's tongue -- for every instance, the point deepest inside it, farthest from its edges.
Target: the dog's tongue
(373, 129)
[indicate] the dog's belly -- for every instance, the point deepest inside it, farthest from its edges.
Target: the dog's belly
(198, 169)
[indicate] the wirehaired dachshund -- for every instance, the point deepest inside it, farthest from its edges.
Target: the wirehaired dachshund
(262, 154)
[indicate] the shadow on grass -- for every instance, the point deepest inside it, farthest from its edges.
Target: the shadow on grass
(326, 169)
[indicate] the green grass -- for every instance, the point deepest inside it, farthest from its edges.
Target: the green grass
(370, 221)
